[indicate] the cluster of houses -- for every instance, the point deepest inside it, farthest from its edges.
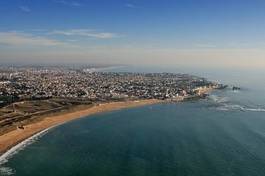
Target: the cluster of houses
(27, 84)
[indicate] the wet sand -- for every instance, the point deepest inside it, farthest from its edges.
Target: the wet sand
(14, 137)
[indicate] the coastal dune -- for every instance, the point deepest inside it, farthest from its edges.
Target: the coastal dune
(14, 137)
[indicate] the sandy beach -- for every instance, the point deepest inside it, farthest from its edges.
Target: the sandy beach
(14, 137)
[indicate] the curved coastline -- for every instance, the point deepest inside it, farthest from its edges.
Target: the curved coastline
(13, 140)
(14, 149)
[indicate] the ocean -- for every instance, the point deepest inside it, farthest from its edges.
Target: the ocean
(223, 135)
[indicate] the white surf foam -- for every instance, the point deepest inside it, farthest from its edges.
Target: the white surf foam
(218, 99)
(224, 104)
(5, 171)
(236, 107)
(4, 157)
(256, 109)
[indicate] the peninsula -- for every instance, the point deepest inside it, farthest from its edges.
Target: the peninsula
(35, 98)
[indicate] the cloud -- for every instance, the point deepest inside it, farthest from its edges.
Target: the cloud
(85, 33)
(129, 5)
(25, 9)
(23, 39)
(68, 3)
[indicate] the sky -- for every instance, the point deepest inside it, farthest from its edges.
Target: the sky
(195, 33)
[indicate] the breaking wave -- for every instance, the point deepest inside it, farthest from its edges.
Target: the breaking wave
(6, 171)
(234, 107)
(224, 104)
(218, 99)
(14, 150)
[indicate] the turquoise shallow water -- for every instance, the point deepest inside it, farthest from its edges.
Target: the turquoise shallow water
(223, 135)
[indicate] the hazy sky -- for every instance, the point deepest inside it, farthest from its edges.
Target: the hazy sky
(198, 33)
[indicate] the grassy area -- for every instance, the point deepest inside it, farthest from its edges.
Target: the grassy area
(23, 112)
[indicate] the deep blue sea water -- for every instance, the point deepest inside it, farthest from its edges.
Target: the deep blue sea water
(223, 135)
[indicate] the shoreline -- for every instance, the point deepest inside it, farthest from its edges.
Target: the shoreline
(14, 137)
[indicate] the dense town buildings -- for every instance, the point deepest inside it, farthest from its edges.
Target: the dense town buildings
(17, 84)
